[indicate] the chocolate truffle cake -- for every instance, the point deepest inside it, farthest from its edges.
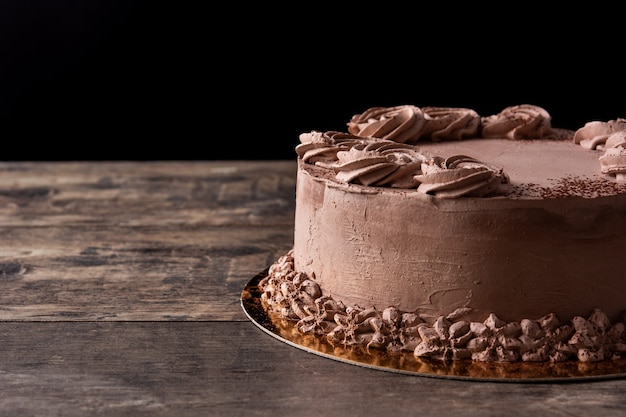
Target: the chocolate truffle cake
(460, 237)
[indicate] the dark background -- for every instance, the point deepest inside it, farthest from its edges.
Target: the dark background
(141, 80)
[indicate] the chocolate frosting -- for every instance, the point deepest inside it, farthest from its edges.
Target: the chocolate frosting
(485, 243)
(378, 151)
(298, 297)
(608, 136)
(518, 122)
(400, 123)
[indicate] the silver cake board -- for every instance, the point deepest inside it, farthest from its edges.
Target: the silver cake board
(407, 363)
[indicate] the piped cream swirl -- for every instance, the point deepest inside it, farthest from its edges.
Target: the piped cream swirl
(608, 136)
(458, 176)
(613, 162)
(593, 135)
(322, 147)
(408, 123)
(524, 121)
(401, 124)
(377, 163)
(379, 149)
(385, 163)
(444, 123)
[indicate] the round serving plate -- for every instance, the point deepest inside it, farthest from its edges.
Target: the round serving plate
(407, 363)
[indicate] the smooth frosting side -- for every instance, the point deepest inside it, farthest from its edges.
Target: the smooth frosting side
(298, 297)
(517, 258)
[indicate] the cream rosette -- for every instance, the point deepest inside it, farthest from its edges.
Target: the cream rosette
(524, 121)
(613, 162)
(401, 124)
(378, 163)
(443, 123)
(593, 135)
(322, 147)
(459, 176)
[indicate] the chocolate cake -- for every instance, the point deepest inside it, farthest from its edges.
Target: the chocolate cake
(460, 237)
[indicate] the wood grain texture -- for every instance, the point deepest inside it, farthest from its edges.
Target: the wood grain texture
(132, 273)
(138, 241)
(233, 369)
(120, 286)
(158, 194)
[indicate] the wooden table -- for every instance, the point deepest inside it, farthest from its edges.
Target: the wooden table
(120, 295)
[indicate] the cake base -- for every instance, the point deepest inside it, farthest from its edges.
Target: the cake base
(407, 363)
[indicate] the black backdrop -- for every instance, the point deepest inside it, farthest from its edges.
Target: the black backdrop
(139, 80)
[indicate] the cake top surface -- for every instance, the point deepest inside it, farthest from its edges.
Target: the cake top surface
(454, 152)
(537, 168)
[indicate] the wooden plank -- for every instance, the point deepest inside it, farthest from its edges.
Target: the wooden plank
(194, 193)
(234, 369)
(139, 241)
(122, 273)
